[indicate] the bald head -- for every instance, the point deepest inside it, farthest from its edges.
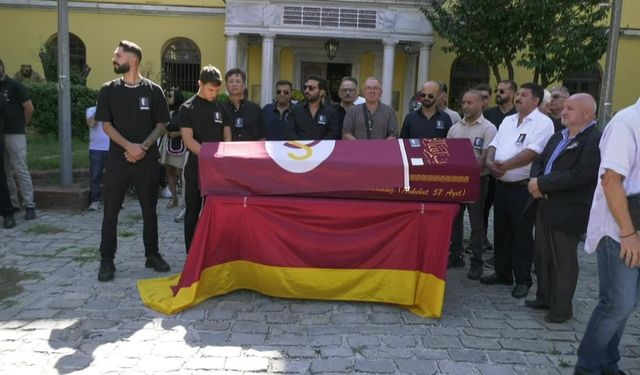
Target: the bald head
(579, 110)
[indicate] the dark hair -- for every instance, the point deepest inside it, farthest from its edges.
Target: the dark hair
(322, 83)
(536, 90)
(513, 85)
(284, 82)
(131, 47)
(235, 71)
(178, 99)
(349, 78)
(210, 74)
(483, 87)
(443, 86)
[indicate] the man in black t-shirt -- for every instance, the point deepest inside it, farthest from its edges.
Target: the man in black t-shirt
(428, 121)
(247, 119)
(201, 119)
(312, 118)
(133, 111)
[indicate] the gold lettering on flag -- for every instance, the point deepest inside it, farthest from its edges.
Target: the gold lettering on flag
(436, 151)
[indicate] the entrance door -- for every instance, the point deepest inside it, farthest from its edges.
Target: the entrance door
(333, 73)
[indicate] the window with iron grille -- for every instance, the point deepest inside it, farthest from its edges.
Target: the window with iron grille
(465, 73)
(77, 50)
(181, 65)
(588, 81)
(329, 17)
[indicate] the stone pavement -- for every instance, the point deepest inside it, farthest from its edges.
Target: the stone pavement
(56, 318)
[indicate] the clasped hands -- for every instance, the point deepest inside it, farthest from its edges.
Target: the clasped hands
(135, 152)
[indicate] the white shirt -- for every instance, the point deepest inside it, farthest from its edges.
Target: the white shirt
(620, 152)
(455, 116)
(98, 139)
(511, 139)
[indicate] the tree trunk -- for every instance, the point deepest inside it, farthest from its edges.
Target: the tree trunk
(510, 69)
(536, 75)
(496, 72)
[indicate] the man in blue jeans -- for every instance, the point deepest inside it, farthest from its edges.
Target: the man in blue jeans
(98, 150)
(611, 233)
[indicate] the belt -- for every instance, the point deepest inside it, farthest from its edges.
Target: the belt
(524, 182)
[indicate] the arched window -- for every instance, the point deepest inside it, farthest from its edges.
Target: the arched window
(465, 73)
(181, 64)
(587, 81)
(77, 50)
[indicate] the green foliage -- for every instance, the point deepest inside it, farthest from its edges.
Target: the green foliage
(297, 95)
(44, 152)
(44, 96)
(49, 59)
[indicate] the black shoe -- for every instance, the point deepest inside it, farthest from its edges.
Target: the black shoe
(29, 213)
(107, 270)
(475, 273)
(9, 221)
(494, 279)
(490, 263)
(551, 318)
(456, 262)
(157, 263)
(535, 304)
(520, 291)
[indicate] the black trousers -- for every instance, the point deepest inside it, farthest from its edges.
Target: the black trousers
(120, 174)
(556, 263)
(6, 209)
(192, 199)
(488, 202)
(513, 234)
(477, 226)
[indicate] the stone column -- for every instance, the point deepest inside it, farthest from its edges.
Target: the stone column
(266, 91)
(409, 79)
(232, 52)
(424, 58)
(387, 69)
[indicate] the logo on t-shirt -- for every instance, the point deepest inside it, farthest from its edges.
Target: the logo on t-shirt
(415, 143)
(239, 122)
(478, 143)
(217, 117)
(440, 124)
(322, 120)
(521, 138)
(144, 103)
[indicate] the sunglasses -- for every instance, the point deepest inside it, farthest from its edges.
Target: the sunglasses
(309, 87)
(430, 96)
(501, 91)
(282, 92)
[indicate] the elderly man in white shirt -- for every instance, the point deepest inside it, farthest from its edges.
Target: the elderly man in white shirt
(520, 138)
(612, 234)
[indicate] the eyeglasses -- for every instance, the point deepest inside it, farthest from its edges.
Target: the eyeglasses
(501, 91)
(309, 87)
(347, 90)
(372, 89)
(430, 96)
(282, 92)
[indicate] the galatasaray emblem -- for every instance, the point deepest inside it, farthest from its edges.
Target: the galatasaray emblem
(299, 156)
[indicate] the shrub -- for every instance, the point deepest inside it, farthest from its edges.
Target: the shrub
(44, 96)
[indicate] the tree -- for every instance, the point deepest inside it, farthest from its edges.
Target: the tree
(550, 37)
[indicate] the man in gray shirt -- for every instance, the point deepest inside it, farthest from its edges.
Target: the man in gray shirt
(372, 119)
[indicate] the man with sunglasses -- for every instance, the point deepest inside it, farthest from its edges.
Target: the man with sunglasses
(312, 118)
(246, 117)
(276, 113)
(428, 121)
(371, 119)
(558, 95)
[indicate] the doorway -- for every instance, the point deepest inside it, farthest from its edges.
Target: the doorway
(332, 72)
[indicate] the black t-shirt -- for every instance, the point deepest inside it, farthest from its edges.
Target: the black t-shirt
(133, 111)
(417, 125)
(247, 122)
(206, 119)
(13, 94)
(301, 126)
(495, 115)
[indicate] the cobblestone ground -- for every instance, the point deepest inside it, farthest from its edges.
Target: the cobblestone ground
(56, 318)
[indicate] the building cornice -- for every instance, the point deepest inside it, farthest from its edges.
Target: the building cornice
(117, 7)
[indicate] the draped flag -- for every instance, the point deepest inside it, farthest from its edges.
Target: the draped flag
(318, 248)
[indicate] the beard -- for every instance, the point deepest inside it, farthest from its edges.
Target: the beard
(500, 100)
(428, 104)
(121, 69)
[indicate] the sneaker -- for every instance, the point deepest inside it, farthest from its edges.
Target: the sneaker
(107, 270)
(157, 263)
(180, 216)
(165, 193)
(9, 221)
(30, 213)
(95, 206)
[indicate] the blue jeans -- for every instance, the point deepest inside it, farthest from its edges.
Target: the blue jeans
(98, 160)
(618, 292)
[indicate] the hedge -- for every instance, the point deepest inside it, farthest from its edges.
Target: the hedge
(45, 100)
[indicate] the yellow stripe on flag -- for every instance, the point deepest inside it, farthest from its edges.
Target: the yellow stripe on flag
(421, 293)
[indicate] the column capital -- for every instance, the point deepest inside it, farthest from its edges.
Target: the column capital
(271, 36)
(232, 35)
(426, 45)
(390, 42)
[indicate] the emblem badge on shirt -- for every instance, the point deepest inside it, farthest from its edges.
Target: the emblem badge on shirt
(322, 120)
(440, 124)
(478, 143)
(217, 117)
(415, 143)
(144, 103)
(572, 146)
(239, 122)
(521, 138)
